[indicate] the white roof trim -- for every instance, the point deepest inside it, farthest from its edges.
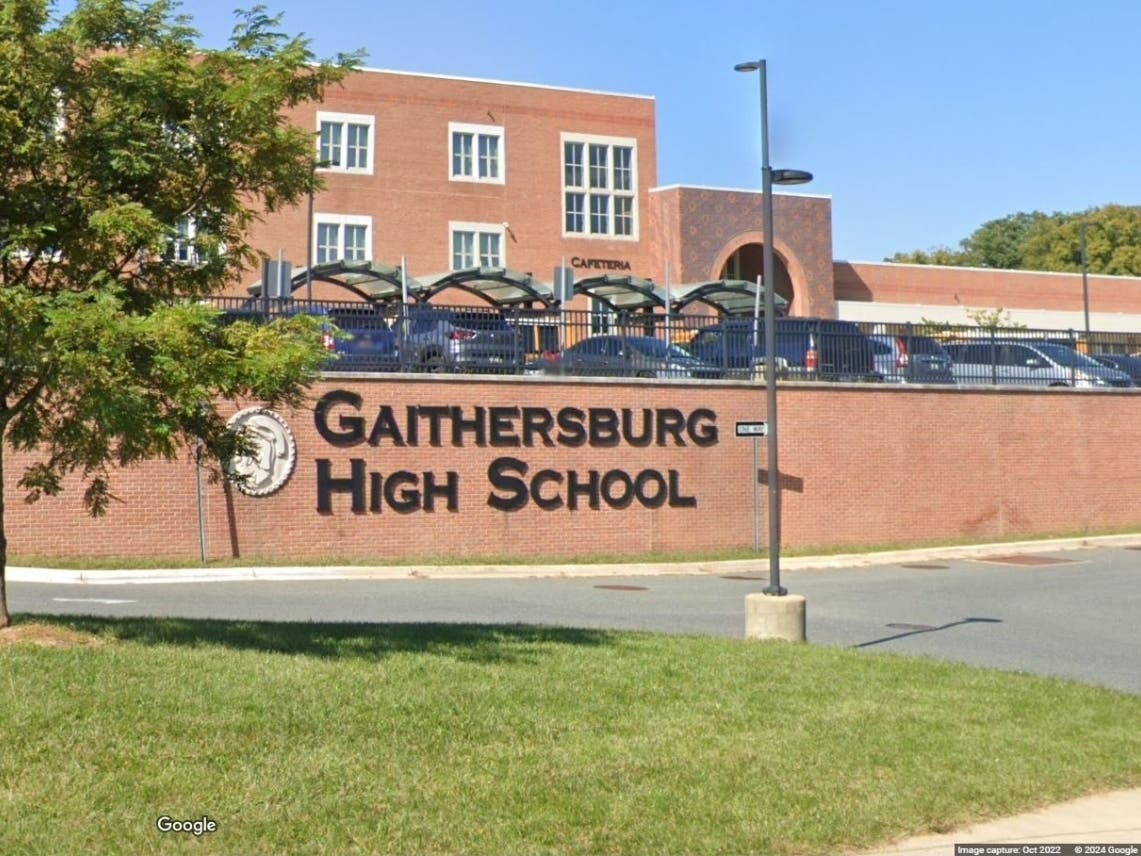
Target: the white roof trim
(506, 83)
(752, 190)
(1069, 274)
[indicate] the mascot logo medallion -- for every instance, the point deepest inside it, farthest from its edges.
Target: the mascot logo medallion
(274, 452)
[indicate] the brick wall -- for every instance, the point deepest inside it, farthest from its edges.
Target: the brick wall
(701, 227)
(411, 199)
(983, 287)
(862, 466)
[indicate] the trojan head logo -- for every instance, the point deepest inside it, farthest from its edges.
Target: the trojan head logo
(273, 451)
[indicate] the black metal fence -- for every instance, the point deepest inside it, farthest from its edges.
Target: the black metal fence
(517, 340)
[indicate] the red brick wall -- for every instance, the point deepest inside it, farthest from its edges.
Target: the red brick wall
(411, 199)
(982, 287)
(701, 227)
(862, 466)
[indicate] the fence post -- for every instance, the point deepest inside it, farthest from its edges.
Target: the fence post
(993, 356)
(908, 341)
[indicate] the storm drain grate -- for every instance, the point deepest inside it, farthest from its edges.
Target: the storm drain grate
(1024, 559)
(618, 587)
(926, 566)
(752, 577)
(1134, 548)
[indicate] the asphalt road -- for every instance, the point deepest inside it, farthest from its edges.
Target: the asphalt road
(1074, 614)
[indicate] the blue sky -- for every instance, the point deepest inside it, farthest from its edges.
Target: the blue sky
(920, 119)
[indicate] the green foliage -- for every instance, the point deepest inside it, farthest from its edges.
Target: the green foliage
(1048, 242)
(115, 129)
(936, 256)
(1001, 243)
(993, 318)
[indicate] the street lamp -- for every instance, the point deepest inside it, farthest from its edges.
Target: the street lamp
(313, 167)
(1085, 283)
(769, 177)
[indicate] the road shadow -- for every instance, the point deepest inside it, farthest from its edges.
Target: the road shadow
(916, 630)
(490, 643)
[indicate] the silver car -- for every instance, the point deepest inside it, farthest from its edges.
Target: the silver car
(458, 339)
(911, 359)
(1029, 362)
(630, 356)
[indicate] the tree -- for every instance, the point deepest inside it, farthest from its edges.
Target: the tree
(119, 139)
(936, 256)
(1050, 242)
(1001, 243)
(1113, 242)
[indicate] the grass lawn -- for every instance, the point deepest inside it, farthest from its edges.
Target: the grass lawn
(477, 739)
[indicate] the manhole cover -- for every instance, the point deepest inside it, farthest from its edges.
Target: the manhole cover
(924, 566)
(899, 626)
(617, 587)
(1024, 559)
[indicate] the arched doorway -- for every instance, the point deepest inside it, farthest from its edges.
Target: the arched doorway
(747, 263)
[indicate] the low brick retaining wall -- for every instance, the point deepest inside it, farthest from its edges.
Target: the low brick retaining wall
(396, 467)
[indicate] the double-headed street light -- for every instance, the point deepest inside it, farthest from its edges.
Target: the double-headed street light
(769, 177)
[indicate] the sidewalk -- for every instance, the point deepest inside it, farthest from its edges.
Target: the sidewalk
(1112, 818)
(393, 572)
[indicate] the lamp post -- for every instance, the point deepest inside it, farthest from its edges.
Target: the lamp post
(769, 177)
(1085, 282)
(309, 238)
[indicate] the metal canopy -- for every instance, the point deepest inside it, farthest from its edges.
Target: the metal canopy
(727, 296)
(623, 293)
(371, 281)
(498, 286)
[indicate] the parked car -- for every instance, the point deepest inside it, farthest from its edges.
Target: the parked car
(805, 348)
(1130, 365)
(366, 343)
(628, 356)
(460, 339)
(359, 336)
(911, 359)
(1029, 362)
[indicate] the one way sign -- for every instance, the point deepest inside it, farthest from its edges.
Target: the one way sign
(752, 429)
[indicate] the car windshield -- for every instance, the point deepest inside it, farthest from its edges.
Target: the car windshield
(1067, 357)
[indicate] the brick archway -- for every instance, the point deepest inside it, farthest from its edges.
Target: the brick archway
(743, 259)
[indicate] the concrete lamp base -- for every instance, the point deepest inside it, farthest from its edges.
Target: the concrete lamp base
(769, 616)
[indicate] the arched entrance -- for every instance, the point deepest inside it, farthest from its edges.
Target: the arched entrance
(747, 263)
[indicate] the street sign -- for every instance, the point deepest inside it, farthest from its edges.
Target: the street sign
(752, 429)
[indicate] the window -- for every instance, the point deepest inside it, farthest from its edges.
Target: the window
(477, 153)
(476, 245)
(345, 142)
(341, 237)
(182, 247)
(600, 187)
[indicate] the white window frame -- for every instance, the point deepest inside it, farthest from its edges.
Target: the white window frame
(344, 120)
(477, 132)
(184, 245)
(477, 230)
(341, 221)
(599, 218)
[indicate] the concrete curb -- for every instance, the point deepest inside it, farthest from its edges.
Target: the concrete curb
(422, 572)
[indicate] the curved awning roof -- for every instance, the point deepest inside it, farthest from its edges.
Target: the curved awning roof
(498, 286)
(623, 293)
(727, 296)
(370, 280)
